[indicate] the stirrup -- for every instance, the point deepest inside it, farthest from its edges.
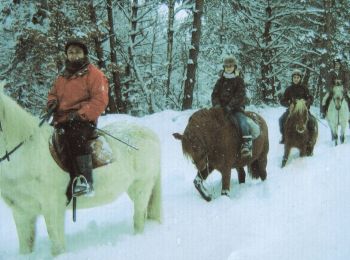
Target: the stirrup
(80, 186)
(246, 152)
(246, 147)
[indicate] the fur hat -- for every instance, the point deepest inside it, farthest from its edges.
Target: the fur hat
(229, 60)
(297, 72)
(76, 42)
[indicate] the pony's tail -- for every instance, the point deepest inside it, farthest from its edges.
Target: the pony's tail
(154, 208)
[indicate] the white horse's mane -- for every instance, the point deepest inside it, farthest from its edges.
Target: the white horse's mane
(10, 114)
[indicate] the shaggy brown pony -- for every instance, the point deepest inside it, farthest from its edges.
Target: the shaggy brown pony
(212, 142)
(296, 131)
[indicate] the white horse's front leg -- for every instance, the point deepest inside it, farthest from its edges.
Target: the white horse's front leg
(334, 131)
(343, 128)
(55, 227)
(25, 225)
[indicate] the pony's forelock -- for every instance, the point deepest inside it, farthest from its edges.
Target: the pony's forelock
(300, 106)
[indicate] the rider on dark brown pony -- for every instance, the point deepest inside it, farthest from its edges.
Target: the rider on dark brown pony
(78, 97)
(293, 92)
(229, 93)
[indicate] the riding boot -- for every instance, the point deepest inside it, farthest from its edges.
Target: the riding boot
(311, 127)
(281, 123)
(84, 181)
(326, 105)
(282, 139)
(323, 111)
(246, 148)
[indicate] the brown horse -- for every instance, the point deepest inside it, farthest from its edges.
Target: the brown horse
(212, 142)
(296, 132)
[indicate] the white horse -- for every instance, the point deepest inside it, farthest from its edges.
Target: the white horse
(338, 114)
(32, 184)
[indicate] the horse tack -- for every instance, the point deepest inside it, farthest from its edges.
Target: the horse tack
(7, 154)
(100, 154)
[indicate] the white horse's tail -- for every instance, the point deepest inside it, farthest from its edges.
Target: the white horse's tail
(154, 208)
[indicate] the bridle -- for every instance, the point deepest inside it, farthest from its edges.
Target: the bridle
(341, 101)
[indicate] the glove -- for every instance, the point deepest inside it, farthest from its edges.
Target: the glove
(74, 116)
(52, 105)
(227, 109)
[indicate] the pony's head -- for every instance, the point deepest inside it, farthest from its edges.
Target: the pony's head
(299, 115)
(194, 141)
(338, 96)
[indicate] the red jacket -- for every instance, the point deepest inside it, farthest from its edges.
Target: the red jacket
(86, 92)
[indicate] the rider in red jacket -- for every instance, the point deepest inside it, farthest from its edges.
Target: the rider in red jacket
(78, 97)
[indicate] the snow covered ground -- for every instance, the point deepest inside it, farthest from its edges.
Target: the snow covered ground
(300, 212)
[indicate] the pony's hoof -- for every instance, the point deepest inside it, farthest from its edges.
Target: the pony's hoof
(198, 184)
(225, 193)
(57, 250)
(284, 162)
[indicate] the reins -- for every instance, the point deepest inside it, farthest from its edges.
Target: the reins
(7, 154)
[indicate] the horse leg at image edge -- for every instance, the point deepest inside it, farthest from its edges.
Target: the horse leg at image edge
(25, 226)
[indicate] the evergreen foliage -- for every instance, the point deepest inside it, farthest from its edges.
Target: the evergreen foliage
(268, 38)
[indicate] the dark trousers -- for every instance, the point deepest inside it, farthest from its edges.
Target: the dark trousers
(282, 121)
(75, 136)
(239, 119)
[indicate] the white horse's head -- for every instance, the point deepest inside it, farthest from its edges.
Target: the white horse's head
(338, 96)
(17, 125)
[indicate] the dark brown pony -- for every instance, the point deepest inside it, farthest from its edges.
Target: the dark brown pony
(296, 131)
(212, 142)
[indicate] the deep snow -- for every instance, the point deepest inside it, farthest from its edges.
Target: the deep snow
(300, 212)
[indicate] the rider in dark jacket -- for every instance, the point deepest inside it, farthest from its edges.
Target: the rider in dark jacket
(229, 93)
(293, 92)
(338, 75)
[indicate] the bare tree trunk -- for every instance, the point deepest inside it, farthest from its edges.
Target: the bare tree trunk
(171, 6)
(328, 30)
(193, 56)
(96, 36)
(267, 83)
(133, 19)
(118, 104)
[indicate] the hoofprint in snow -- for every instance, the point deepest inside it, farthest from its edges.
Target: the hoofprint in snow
(299, 212)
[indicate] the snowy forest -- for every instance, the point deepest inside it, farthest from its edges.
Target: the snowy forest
(167, 54)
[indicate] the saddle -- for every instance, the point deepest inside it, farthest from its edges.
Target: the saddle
(252, 121)
(101, 152)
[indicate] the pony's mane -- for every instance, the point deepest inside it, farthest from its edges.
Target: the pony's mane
(17, 124)
(300, 106)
